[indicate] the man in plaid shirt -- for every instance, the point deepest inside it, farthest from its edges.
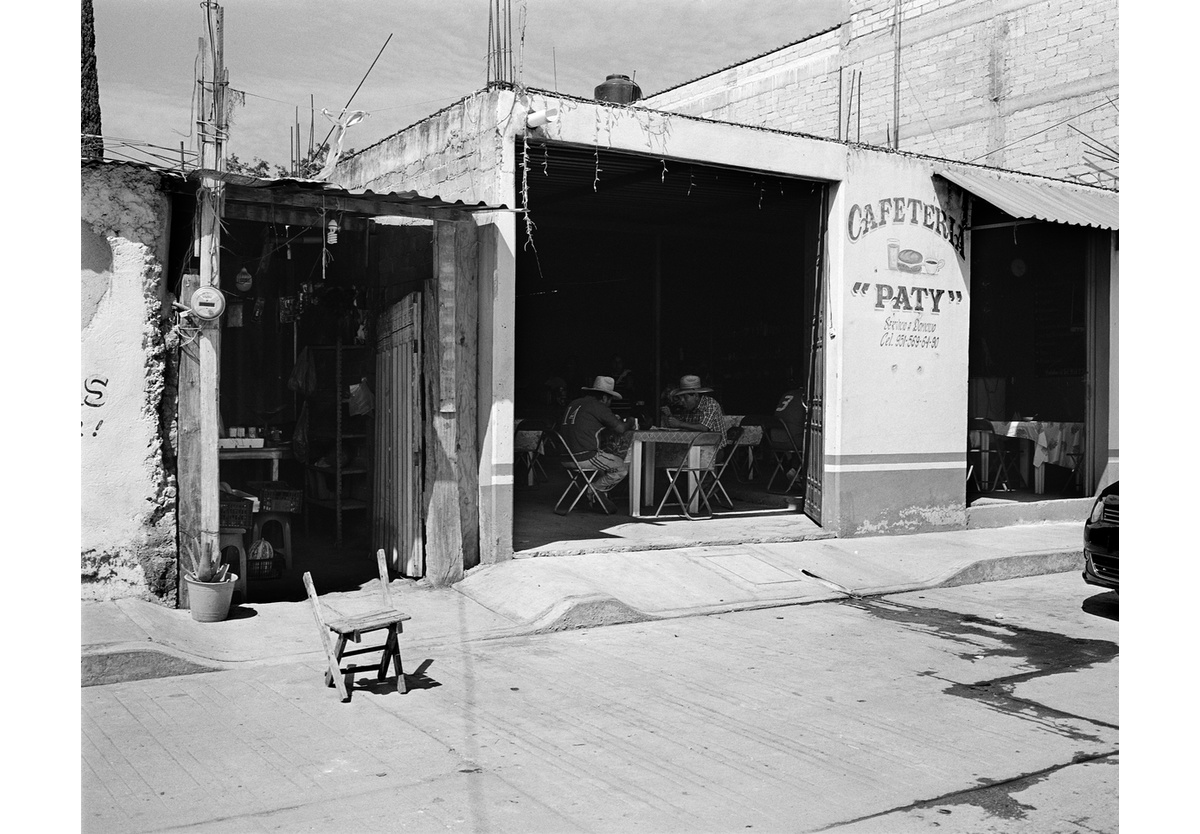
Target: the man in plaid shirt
(699, 413)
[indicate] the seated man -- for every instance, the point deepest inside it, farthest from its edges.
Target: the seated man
(697, 412)
(587, 415)
(792, 411)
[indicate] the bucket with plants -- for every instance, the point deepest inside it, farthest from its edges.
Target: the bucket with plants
(209, 583)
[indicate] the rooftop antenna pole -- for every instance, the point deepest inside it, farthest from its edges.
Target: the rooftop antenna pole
(896, 79)
(554, 58)
(360, 83)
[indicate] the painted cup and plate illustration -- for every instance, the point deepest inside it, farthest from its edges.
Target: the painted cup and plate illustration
(911, 260)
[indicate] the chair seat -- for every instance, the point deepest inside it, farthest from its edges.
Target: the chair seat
(369, 621)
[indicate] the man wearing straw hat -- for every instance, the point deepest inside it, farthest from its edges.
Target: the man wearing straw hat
(581, 420)
(698, 412)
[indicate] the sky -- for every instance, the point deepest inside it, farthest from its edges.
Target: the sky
(284, 55)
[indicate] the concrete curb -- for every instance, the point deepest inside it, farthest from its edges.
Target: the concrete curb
(124, 661)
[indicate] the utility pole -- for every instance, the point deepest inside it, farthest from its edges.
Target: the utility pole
(199, 407)
(896, 79)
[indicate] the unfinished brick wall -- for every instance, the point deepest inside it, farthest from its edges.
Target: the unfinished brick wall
(448, 155)
(1019, 84)
(128, 496)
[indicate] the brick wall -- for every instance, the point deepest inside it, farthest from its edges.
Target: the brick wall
(1007, 83)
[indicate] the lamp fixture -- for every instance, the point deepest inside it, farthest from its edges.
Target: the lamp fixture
(538, 118)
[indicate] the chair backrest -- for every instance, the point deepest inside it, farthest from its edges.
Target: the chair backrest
(979, 434)
(384, 582)
(566, 456)
(792, 446)
(708, 442)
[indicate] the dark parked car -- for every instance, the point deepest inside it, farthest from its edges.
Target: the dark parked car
(1100, 539)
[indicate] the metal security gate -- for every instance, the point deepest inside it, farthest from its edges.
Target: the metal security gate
(398, 525)
(814, 434)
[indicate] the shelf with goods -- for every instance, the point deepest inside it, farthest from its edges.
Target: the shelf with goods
(339, 466)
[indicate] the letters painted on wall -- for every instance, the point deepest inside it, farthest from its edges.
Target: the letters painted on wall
(920, 237)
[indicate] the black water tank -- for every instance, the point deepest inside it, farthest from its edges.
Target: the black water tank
(619, 89)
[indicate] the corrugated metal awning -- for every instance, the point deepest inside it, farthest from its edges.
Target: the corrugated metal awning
(281, 193)
(1039, 198)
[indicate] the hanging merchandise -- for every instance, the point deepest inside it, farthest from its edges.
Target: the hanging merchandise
(244, 280)
(300, 435)
(304, 375)
(233, 317)
(287, 309)
(362, 401)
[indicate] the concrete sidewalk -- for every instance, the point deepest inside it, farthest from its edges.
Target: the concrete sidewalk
(133, 639)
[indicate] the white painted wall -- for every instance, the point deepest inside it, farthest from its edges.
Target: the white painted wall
(128, 518)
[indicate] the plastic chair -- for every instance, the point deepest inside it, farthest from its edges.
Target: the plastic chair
(387, 618)
(787, 456)
(234, 538)
(582, 474)
(708, 443)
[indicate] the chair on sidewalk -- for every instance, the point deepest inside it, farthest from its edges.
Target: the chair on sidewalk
(347, 628)
(698, 472)
(583, 476)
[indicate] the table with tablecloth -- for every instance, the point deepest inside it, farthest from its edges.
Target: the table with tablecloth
(1044, 441)
(527, 447)
(643, 462)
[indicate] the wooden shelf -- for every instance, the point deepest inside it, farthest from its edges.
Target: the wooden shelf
(334, 504)
(335, 440)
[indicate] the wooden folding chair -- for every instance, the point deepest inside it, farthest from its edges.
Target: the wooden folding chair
(387, 619)
(582, 475)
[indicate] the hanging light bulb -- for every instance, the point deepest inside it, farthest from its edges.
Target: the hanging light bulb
(331, 232)
(244, 280)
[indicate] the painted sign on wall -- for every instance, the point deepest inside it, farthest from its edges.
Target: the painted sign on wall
(906, 297)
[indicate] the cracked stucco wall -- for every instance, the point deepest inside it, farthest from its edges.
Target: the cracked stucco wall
(128, 529)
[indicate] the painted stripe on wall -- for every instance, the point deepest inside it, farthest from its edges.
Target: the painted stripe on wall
(894, 462)
(894, 467)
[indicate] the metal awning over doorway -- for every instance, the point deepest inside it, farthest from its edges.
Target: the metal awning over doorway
(1038, 198)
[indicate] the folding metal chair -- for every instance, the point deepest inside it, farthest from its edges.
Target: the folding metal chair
(530, 447)
(787, 456)
(713, 488)
(707, 443)
(988, 450)
(582, 474)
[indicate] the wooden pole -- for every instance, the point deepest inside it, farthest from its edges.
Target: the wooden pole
(199, 475)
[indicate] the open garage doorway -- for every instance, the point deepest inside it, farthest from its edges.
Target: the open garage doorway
(1038, 312)
(651, 268)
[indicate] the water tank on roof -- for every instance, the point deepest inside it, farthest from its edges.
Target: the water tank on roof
(619, 89)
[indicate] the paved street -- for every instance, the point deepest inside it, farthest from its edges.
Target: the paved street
(989, 707)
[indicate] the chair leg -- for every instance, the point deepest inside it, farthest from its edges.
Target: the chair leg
(333, 673)
(333, 670)
(401, 683)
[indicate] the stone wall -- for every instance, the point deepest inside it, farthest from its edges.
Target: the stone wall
(128, 529)
(1020, 84)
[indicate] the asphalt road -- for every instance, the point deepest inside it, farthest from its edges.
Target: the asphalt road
(982, 708)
